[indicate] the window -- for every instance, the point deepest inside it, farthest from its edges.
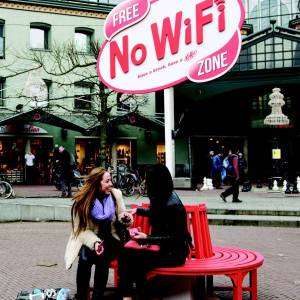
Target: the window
(2, 39)
(159, 102)
(39, 35)
(83, 39)
(2, 84)
(49, 89)
(83, 97)
(122, 104)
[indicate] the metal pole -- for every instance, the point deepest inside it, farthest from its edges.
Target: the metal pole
(169, 129)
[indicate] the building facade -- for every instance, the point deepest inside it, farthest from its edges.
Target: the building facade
(223, 114)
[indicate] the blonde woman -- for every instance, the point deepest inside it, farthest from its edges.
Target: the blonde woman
(94, 238)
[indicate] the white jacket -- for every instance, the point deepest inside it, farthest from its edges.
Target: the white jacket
(89, 236)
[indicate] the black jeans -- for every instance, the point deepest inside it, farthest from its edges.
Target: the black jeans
(233, 189)
(217, 178)
(135, 264)
(65, 186)
(88, 258)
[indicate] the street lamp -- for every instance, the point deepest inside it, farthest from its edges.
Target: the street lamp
(276, 102)
(36, 89)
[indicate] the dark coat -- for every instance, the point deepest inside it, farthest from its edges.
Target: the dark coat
(65, 164)
(169, 229)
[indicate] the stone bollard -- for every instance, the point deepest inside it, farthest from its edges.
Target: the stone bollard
(275, 186)
(204, 187)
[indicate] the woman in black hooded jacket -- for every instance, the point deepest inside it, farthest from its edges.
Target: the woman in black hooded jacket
(168, 230)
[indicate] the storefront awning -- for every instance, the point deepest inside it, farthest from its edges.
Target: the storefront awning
(38, 115)
(137, 120)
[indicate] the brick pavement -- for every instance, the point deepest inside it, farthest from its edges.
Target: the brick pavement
(31, 255)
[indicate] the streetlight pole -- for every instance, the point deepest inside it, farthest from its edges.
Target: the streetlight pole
(169, 129)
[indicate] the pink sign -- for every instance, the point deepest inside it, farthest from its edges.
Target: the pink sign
(155, 44)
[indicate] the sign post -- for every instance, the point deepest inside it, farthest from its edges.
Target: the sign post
(169, 128)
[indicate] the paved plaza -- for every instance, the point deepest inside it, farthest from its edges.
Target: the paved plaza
(32, 256)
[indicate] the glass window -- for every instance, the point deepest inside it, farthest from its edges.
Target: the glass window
(2, 44)
(287, 45)
(49, 88)
(82, 42)
(83, 97)
(83, 39)
(159, 102)
(2, 92)
(122, 104)
(39, 36)
(114, 1)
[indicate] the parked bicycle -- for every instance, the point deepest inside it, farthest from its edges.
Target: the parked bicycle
(6, 190)
(123, 179)
(127, 181)
(140, 184)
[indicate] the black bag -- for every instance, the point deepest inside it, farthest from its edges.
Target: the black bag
(122, 231)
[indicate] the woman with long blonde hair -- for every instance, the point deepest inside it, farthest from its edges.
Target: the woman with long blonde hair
(96, 208)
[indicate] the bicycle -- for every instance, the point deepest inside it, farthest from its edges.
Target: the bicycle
(6, 190)
(140, 184)
(123, 179)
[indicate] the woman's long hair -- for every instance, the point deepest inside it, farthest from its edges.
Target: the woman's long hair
(84, 198)
(159, 183)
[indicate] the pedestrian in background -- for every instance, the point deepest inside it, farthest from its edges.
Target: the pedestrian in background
(211, 154)
(29, 167)
(217, 166)
(242, 167)
(244, 180)
(95, 211)
(65, 172)
(233, 176)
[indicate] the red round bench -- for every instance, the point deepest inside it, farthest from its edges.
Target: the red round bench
(206, 260)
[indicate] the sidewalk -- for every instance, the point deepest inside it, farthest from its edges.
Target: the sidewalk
(259, 207)
(32, 255)
(43, 243)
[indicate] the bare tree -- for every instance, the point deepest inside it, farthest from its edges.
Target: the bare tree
(67, 67)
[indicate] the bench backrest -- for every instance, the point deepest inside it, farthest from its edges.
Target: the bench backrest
(197, 224)
(198, 227)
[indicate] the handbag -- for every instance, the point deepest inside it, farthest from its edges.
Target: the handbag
(132, 244)
(122, 232)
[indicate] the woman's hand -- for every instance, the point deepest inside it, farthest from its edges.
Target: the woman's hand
(139, 236)
(99, 248)
(131, 211)
(126, 218)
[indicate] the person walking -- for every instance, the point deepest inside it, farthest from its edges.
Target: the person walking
(95, 212)
(168, 222)
(232, 173)
(65, 172)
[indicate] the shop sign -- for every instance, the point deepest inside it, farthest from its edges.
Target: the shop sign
(27, 128)
(155, 44)
(276, 153)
